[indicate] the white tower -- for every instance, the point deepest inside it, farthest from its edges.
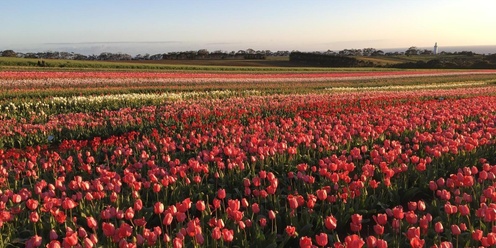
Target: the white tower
(435, 48)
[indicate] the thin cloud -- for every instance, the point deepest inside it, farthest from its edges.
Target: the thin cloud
(113, 42)
(226, 43)
(350, 43)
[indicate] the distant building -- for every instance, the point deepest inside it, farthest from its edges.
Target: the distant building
(435, 49)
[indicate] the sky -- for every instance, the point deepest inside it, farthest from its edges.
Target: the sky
(153, 26)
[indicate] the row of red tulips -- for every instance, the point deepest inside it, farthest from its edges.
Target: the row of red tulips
(39, 129)
(14, 81)
(54, 74)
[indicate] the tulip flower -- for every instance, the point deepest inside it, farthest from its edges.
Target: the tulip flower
(305, 242)
(330, 222)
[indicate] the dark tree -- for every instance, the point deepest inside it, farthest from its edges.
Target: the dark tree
(9, 53)
(412, 51)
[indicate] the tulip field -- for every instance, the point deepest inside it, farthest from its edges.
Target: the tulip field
(385, 158)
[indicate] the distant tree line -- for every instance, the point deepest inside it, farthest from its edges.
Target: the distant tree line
(343, 58)
(219, 54)
(485, 62)
(348, 58)
(200, 54)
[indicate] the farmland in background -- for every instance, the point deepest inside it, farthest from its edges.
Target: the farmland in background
(269, 63)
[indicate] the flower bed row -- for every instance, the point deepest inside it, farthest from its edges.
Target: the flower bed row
(36, 126)
(16, 79)
(93, 74)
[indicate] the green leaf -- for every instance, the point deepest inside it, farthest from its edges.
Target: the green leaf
(273, 245)
(305, 230)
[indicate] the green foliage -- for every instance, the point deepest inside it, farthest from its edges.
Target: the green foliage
(327, 60)
(77, 65)
(8, 53)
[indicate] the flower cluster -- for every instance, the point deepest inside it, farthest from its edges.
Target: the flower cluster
(350, 169)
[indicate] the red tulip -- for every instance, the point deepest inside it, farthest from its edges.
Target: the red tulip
(108, 229)
(156, 187)
(263, 222)
(221, 194)
(54, 244)
(293, 202)
(380, 219)
(53, 234)
(272, 215)
(378, 229)
(16, 198)
(140, 222)
(305, 242)
(464, 210)
(433, 186)
(181, 217)
(380, 243)
(125, 230)
(177, 243)
(34, 217)
(374, 184)
(138, 205)
(356, 219)
(71, 239)
(129, 214)
(396, 225)
(450, 209)
(34, 241)
(455, 230)
(412, 206)
(321, 194)
(200, 205)
(354, 241)
(68, 203)
(31, 204)
(321, 239)
(477, 234)
(199, 238)
(487, 241)
(416, 242)
(81, 232)
(312, 199)
(216, 203)
(421, 205)
(255, 208)
(227, 235)
(330, 222)
(291, 231)
(184, 205)
(446, 244)
(356, 222)
(413, 232)
(158, 208)
(91, 222)
(371, 241)
(411, 217)
(438, 227)
(398, 213)
(216, 233)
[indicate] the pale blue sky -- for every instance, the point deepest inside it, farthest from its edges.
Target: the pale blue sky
(152, 26)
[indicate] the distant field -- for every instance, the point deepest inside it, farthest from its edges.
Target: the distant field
(272, 64)
(391, 60)
(269, 62)
(275, 64)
